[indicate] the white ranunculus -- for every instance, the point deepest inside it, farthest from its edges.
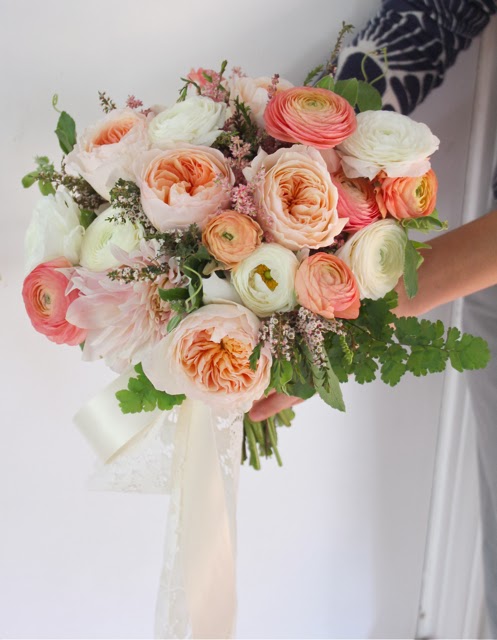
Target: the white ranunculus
(198, 120)
(105, 151)
(104, 234)
(254, 93)
(217, 290)
(390, 142)
(54, 230)
(375, 255)
(265, 280)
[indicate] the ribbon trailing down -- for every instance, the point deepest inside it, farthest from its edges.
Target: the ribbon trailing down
(194, 455)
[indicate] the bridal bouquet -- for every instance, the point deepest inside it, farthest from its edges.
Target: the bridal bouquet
(242, 241)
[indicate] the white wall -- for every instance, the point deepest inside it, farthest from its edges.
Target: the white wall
(329, 546)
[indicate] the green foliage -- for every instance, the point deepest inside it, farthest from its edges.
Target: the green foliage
(86, 217)
(326, 83)
(254, 356)
(141, 395)
(312, 74)
(328, 385)
(261, 438)
(66, 132)
(178, 293)
(412, 262)
(348, 89)
(368, 98)
(425, 224)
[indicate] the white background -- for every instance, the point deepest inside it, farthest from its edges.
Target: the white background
(332, 544)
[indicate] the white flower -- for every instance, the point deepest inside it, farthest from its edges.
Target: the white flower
(105, 151)
(265, 280)
(54, 230)
(104, 234)
(375, 255)
(390, 142)
(254, 93)
(197, 120)
(216, 290)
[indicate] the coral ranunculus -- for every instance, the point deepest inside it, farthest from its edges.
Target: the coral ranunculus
(310, 115)
(44, 294)
(207, 358)
(231, 236)
(408, 197)
(183, 186)
(325, 285)
(356, 201)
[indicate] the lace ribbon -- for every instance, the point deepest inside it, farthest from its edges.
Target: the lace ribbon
(194, 455)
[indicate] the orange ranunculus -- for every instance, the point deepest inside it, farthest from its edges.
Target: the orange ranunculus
(408, 197)
(325, 285)
(310, 115)
(183, 186)
(207, 358)
(231, 236)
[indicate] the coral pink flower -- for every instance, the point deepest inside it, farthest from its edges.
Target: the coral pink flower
(183, 186)
(309, 115)
(356, 201)
(408, 197)
(325, 285)
(231, 236)
(123, 320)
(207, 358)
(46, 301)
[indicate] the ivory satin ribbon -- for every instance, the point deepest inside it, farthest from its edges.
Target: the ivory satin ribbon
(198, 584)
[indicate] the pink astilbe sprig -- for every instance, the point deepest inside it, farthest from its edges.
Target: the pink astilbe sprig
(243, 197)
(312, 329)
(209, 83)
(125, 317)
(273, 87)
(136, 103)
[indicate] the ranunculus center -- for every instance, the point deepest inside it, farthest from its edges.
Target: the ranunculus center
(113, 132)
(265, 274)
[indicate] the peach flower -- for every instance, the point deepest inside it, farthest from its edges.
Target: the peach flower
(105, 151)
(207, 358)
(297, 198)
(44, 294)
(356, 201)
(310, 115)
(231, 236)
(325, 285)
(408, 197)
(254, 93)
(183, 186)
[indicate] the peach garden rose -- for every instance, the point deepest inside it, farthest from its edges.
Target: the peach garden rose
(408, 197)
(183, 186)
(231, 236)
(310, 115)
(325, 285)
(207, 358)
(46, 302)
(297, 198)
(105, 151)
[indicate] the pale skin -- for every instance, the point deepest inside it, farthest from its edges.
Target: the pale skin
(459, 263)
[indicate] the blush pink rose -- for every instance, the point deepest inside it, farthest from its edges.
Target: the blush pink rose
(105, 151)
(207, 358)
(408, 197)
(183, 186)
(296, 197)
(325, 285)
(46, 302)
(356, 201)
(310, 115)
(231, 237)
(254, 92)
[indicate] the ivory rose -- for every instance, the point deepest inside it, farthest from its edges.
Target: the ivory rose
(265, 281)
(46, 302)
(183, 186)
(389, 142)
(231, 236)
(310, 115)
(207, 358)
(408, 197)
(103, 235)
(197, 120)
(254, 93)
(54, 230)
(356, 201)
(375, 255)
(105, 151)
(325, 285)
(297, 198)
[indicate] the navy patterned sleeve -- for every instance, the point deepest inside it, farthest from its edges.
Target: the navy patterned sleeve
(422, 38)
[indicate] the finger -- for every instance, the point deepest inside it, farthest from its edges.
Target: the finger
(267, 407)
